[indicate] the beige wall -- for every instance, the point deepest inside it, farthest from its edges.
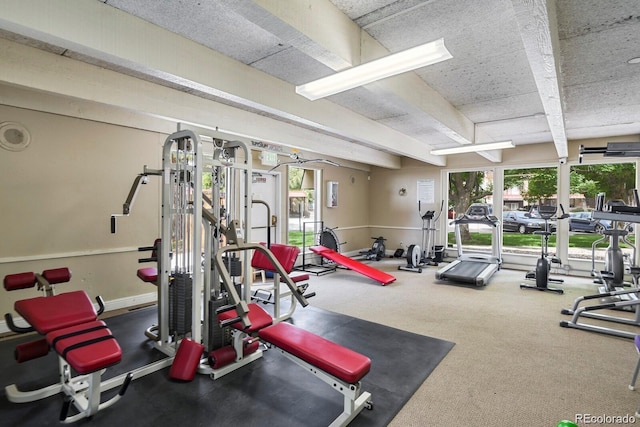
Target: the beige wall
(59, 193)
(351, 218)
(395, 216)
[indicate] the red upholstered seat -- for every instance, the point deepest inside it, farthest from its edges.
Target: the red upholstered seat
(326, 355)
(258, 318)
(87, 347)
(297, 278)
(46, 314)
(148, 274)
(285, 254)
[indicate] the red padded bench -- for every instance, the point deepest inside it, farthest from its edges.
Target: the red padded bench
(47, 314)
(338, 366)
(87, 348)
(352, 264)
(83, 343)
(332, 358)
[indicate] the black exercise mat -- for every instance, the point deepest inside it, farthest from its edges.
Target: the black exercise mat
(271, 391)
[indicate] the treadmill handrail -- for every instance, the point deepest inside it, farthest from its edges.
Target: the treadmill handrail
(486, 220)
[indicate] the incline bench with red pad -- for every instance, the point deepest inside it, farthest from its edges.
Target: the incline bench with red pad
(352, 264)
(336, 365)
(83, 343)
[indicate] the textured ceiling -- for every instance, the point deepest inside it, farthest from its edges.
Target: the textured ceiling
(530, 71)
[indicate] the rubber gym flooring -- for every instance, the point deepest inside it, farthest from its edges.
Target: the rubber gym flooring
(272, 391)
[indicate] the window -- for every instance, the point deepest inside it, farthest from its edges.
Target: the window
(617, 181)
(465, 189)
(525, 189)
(304, 211)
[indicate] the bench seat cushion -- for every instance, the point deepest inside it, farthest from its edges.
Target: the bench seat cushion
(89, 347)
(295, 278)
(285, 254)
(148, 274)
(326, 355)
(47, 314)
(258, 318)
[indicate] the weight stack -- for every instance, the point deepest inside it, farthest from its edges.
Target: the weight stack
(218, 337)
(233, 264)
(180, 300)
(234, 267)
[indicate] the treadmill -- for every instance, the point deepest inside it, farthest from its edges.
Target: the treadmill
(475, 268)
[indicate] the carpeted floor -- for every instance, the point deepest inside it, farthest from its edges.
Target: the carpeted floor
(512, 365)
(271, 391)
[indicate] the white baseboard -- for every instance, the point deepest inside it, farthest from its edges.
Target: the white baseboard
(112, 305)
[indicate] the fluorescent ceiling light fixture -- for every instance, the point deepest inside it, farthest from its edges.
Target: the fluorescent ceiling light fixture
(388, 66)
(473, 148)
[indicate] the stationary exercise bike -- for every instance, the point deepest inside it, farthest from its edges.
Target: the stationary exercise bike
(420, 257)
(543, 266)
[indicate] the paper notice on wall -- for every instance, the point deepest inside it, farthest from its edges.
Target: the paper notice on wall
(426, 190)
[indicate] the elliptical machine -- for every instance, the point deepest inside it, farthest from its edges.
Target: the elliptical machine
(417, 258)
(543, 266)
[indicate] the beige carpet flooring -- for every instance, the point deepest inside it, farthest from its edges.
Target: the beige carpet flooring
(512, 365)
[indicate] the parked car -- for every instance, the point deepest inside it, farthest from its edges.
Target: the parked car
(583, 221)
(524, 222)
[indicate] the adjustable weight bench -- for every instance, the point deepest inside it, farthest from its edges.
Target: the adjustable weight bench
(334, 364)
(70, 326)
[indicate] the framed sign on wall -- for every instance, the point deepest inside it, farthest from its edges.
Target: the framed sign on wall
(332, 194)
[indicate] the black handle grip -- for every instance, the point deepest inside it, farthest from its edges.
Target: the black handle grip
(224, 308)
(15, 328)
(231, 321)
(66, 404)
(125, 384)
(100, 305)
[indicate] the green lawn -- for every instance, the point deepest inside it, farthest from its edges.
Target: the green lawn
(295, 239)
(577, 240)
